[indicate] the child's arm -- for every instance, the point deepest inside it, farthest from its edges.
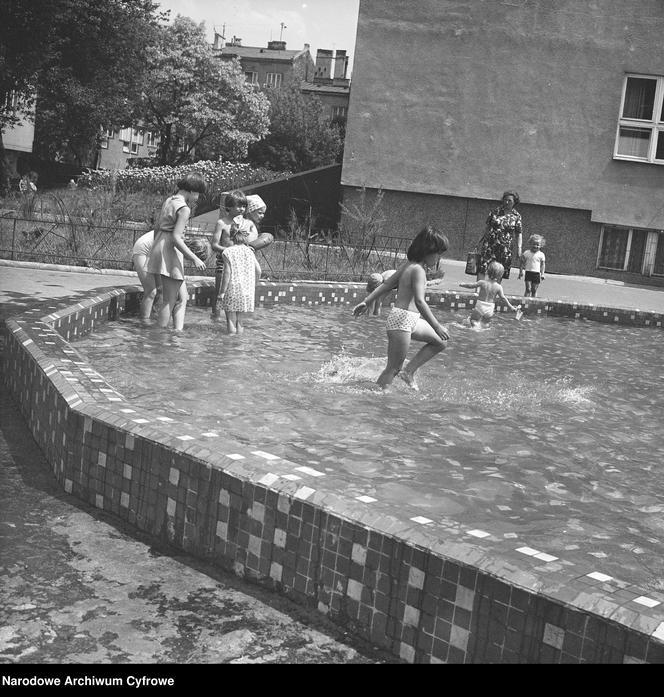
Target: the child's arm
(178, 237)
(470, 285)
(385, 287)
(501, 294)
(542, 265)
(216, 237)
(225, 277)
(419, 288)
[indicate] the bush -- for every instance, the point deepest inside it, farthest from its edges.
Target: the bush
(220, 176)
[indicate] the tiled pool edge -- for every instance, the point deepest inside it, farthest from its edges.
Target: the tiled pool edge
(392, 581)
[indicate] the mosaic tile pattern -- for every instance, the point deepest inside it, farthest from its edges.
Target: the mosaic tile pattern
(427, 591)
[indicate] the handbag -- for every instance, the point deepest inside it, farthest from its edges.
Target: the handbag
(472, 263)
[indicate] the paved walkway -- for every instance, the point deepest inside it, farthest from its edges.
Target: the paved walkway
(78, 587)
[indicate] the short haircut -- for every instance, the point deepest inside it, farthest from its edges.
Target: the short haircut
(192, 182)
(239, 235)
(495, 271)
(513, 194)
(427, 241)
(234, 199)
(537, 238)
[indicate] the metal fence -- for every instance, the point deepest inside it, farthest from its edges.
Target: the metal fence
(61, 239)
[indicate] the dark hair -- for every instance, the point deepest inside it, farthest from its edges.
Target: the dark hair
(233, 199)
(427, 241)
(192, 182)
(513, 194)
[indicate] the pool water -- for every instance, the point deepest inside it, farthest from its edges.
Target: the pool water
(544, 430)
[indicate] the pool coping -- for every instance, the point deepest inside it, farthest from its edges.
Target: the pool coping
(426, 590)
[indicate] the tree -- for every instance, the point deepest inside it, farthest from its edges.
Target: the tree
(94, 73)
(197, 103)
(27, 33)
(301, 136)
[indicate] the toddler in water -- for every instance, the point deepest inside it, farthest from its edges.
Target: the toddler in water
(411, 317)
(375, 280)
(533, 261)
(488, 290)
(238, 283)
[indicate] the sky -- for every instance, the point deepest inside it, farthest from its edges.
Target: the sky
(330, 24)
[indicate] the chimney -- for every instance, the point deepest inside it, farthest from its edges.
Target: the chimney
(218, 42)
(235, 41)
(323, 64)
(276, 45)
(340, 65)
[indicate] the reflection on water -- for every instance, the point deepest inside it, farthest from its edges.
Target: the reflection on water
(545, 428)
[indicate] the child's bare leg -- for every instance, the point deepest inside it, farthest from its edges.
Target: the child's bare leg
(433, 345)
(398, 343)
(180, 308)
(475, 318)
(529, 288)
(239, 326)
(215, 297)
(230, 322)
(170, 290)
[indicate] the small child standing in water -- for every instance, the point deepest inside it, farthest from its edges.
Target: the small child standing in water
(240, 276)
(411, 317)
(375, 279)
(488, 290)
(533, 261)
(235, 203)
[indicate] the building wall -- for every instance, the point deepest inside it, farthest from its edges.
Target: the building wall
(329, 101)
(479, 96)
(114, 157)
(571, 237)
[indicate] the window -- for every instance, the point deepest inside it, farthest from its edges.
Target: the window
(273, 80)
(339, 112)
(251, 77)
(151, 139)
(640, 135)
(106, 135)
(12, 101)
(632, 250)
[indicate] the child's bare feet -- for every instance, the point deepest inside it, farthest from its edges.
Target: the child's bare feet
(409, 379)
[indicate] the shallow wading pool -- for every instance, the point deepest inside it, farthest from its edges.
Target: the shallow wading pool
(509, 512)
(546, 431)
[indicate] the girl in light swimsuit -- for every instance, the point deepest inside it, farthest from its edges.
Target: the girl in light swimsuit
(488, 290)
(411, 317)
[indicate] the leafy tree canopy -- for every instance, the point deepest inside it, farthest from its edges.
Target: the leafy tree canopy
(301, 137)
(197, 103)
(93, 73)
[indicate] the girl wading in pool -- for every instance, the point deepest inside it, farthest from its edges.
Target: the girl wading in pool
(411, 317)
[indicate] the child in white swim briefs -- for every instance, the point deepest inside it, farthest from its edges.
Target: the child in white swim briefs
(411, 317)
(375, 279)
(488, 291)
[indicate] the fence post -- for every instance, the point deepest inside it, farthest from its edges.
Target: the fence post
(13, 239)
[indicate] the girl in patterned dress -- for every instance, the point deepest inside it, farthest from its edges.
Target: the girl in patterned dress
(503, 229)
(168, 252)
(238, 283)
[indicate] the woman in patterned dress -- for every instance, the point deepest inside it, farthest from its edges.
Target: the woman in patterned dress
(238, 283)
(503, 228)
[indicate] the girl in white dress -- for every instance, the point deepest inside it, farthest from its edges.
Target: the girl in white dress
(238, 284)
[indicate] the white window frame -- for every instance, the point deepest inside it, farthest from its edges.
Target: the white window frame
(655, 124)
(339, 112)
(251, 76)
(273, 80)
(648, 260)
(151, 140)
